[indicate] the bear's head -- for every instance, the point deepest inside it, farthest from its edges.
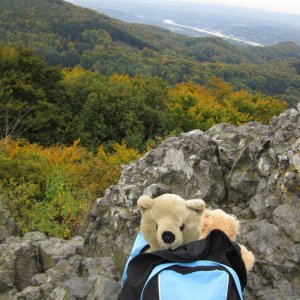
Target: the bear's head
(169, 221)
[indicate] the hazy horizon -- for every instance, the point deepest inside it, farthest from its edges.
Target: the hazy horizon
(279, 6)
(227, 19)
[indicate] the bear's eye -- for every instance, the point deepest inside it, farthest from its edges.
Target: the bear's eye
(181, 227)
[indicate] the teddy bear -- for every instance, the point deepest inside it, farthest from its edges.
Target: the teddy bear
(169, 222)
(218, 219)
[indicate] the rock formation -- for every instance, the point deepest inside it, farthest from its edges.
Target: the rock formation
(251, 171)
(7, 224)
(34, 267)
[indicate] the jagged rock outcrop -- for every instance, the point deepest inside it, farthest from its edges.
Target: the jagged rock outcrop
(250, 170)
(7, 224)
(34, 267)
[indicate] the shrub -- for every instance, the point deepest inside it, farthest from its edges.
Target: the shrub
(195, 106)
(51, 189)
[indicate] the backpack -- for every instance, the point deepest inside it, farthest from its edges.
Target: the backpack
(208, 269)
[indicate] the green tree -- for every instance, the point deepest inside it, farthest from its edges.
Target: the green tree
(30, 95)
(112, 109)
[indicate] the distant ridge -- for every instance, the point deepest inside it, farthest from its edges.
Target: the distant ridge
(69, 35)
(214, 33)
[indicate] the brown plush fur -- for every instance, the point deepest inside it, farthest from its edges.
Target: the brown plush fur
(169, 212)
(248, 258)
(218, 219)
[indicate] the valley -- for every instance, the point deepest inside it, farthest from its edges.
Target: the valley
(238, 25)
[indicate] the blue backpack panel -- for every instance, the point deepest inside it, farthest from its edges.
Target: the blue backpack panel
(208, 269)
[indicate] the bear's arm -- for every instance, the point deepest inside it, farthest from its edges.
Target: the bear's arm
(247, 257)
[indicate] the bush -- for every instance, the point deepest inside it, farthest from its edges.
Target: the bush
(51, 189)
(195, 106)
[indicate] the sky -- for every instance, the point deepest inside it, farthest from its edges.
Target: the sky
(284, 6)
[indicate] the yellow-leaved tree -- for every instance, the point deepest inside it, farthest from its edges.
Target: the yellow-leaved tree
(51, 189)
(193, 106)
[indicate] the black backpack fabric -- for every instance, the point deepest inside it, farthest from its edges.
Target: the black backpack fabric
(214, 254)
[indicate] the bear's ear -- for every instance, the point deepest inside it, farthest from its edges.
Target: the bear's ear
(144, 203)
(196, 204)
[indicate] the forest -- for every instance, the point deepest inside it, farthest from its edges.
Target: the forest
(68, 35)
(81, 94)
(49, 105)
(66, 132)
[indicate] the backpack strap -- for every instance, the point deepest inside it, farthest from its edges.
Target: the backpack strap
(200, 263)
(139, 244)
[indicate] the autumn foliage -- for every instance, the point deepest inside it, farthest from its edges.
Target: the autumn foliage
(194, 106)
(47, 180)
(51, 189)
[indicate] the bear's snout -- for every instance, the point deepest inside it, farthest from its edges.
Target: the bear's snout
(168, 237)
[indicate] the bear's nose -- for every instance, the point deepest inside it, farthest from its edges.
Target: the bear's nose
(168, 237)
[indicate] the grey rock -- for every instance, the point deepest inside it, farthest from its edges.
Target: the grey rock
(104, 289)
(295, 161)
(18, 264)
(287, 216)
(263, 206)
(58, 293)
(52, 250)
(75, 278)
(7, 224)
(264, 166)
(39, 279)
(29, 293)
(8, 295)
(251, 170)
(34, 237)
(62, 271)
(76, 263)
(78, 288)
(154, 190)
(104, 266)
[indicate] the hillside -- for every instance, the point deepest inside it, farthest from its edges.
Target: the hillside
(56, 23)
(82, 95)
(47, 105)
(251, 171)
(238, 25)
(69, 35)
